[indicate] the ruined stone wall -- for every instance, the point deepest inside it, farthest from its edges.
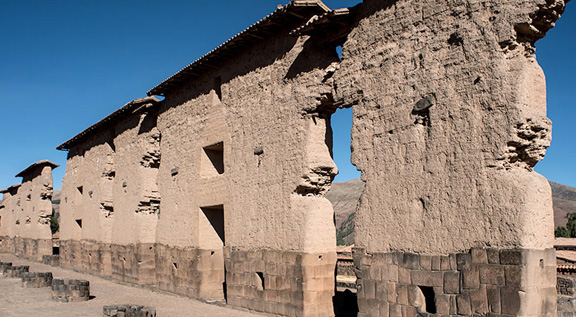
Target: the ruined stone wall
(277, 164)
(109, 204)
(33, 237)
(468, 158)
(449, 121)
(25, 213)
(8, 222)
(274, 150)
(135, 194)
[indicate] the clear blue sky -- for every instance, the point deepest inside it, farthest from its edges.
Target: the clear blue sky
(66, 64)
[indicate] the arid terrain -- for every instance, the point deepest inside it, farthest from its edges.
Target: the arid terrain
(345, 195)
(16, 301)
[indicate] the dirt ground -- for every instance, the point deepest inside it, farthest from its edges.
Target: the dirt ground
(16, 301)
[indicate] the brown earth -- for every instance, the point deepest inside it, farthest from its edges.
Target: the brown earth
(16, 301)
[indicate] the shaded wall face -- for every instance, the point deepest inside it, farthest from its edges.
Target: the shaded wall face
(108, 193)
(449, 120)
(85, 188)
(33, 206)
(135, 191)
(273, 137)
(7, 224)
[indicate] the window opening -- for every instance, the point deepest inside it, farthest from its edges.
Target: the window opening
(259, 277)
(212, 160)
(212, 228)
(428, 299)
(79, 223)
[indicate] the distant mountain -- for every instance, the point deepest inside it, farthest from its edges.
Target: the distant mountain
(56, 201)
(564, 200)
(344, 196)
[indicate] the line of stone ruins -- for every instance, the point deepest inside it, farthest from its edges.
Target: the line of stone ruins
(216, 192)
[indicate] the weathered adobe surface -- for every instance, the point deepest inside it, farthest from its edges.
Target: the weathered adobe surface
(449, 120)
(439, 180)
(110, 184)
(457, 174)
(26, 213)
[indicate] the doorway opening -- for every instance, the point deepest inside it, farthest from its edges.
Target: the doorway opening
(213, 237)
(344, 195)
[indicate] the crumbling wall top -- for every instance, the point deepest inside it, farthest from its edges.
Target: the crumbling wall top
(293, 12)
(30, 169)
(132, 106)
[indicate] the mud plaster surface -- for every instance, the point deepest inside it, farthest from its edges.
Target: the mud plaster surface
(17, 301)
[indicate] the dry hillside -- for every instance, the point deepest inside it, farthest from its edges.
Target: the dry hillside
(344, 197)
(564, 199)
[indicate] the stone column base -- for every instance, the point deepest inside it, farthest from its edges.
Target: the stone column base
(499, 282)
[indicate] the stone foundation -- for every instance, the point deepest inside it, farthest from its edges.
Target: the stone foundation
(53, 260)
(70, 290)
(32, 249)
(36, 280)
(134, 263)
(178, 271)
(284, 283)
(4, 265)
(485, 281)
(15, 271)
(128, 311)
(287, 283)
(565, 286)
(6, 245)
(566, 307)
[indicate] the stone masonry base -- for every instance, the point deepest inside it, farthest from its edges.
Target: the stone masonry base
(286, 283)
(485, 281)
(32, 249)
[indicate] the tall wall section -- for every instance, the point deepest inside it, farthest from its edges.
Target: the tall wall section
(245, 162)
(278, 232)
(8, 218)
(110, 200)
(449, 121)
(27, 207)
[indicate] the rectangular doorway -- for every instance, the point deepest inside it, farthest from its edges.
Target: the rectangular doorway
(212, 236)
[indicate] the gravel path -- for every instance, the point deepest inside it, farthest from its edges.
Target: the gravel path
(16, 301)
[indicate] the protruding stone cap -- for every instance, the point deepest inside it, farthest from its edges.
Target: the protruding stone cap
(128, 108)
(30, 168)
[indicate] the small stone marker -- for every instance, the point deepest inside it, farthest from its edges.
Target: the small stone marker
(36, 279)
(128, 311)
(3, 266)
(15, 271)
(53, 260)
(70, 290)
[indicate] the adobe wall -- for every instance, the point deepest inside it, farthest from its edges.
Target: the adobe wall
(26, 214)
(459, 174)
(277, 167)
(33, 237)
(8, 221)
(109, 189)
(220, 192)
